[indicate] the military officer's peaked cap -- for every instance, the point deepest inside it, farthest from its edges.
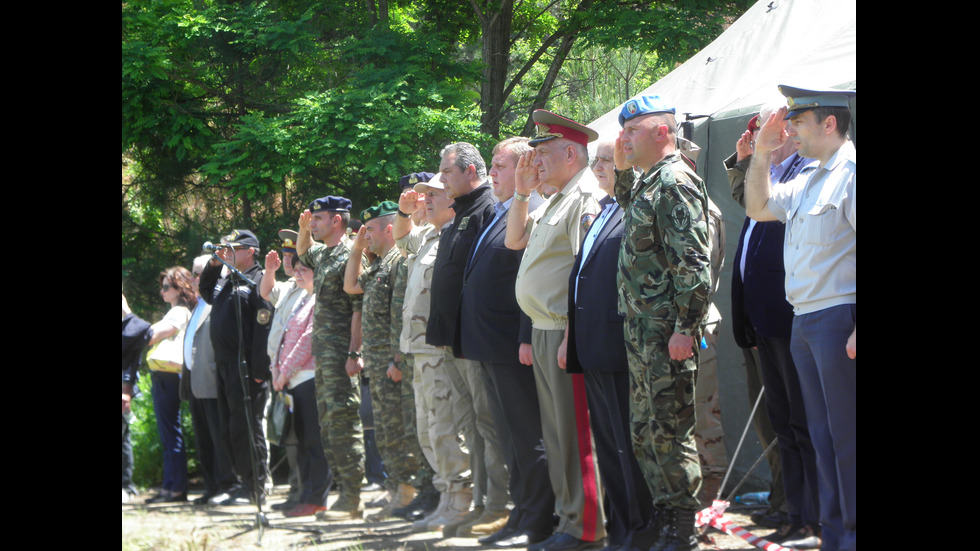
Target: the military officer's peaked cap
(289, 238)
(801, 99)
(644, 105)
(409, 180)
(550, 126)
(330, 204)
(240, 238)
(383, 208)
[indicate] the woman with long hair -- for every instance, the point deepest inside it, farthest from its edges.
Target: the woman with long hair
(176, 289)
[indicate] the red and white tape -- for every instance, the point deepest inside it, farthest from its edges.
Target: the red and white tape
(715, 516)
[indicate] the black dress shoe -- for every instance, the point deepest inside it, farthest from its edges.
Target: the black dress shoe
(504, 532)
(168, 498)
(285, 505)
(203, 500)
(567, 542)
(520, 538)
(770, 518)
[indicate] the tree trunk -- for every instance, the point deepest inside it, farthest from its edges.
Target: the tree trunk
(549, 80)
(496, 27)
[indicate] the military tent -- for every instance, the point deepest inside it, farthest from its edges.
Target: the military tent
(804, 43)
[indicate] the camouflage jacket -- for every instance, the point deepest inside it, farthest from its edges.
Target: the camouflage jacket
(378, 283)
(664, 267)
(334, 307)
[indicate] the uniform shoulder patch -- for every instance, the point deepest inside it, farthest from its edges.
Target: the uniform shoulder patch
(586, 221)
(263, 316)
(681, 216)
(463, 224)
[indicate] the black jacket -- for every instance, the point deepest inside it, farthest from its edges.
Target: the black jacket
(256, 315)
(473, 211)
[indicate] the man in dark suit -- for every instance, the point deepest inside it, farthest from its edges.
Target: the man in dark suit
(762, 318)
(494, 332)
(199, 383)
(594, 346)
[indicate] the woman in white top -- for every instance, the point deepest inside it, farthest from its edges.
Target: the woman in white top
(176, 288)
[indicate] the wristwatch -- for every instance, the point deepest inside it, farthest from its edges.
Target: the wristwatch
(353, 355)
(521, 197)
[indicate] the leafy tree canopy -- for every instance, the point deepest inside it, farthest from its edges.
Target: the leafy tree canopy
(235, 114)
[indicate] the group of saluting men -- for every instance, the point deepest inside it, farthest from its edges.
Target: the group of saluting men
(532, 334)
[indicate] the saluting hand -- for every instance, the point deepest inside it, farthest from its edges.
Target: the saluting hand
(410, 201)
(773, 134)
(272, 262)
(619, 154)
(304, 220)
(744, 146)
(526, 174)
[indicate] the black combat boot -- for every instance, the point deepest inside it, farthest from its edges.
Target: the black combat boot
(679, 533)
(424, 503)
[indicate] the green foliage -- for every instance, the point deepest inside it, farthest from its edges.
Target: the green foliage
(237, 114)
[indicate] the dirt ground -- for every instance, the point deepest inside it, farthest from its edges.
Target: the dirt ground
(182, 526)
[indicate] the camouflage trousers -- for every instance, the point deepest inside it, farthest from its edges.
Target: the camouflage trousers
(426, 473)
(662, 414)
(393, 412)
(338, 402)
(437, 435)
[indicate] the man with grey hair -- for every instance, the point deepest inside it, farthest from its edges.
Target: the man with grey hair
(559, 159)
(200, 374)
(463, 171)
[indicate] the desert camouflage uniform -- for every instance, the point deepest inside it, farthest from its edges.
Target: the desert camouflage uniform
(397, 449)
(423, 478)
(338, 397)
(664, 283)
(436, 425)
(708, 430)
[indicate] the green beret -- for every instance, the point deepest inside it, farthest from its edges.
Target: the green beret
(383, 208)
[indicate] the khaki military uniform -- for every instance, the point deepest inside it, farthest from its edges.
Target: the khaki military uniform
(542, 293)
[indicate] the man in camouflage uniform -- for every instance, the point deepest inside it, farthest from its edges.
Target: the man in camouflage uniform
(336, 342)
(664, 280)
(376, 283)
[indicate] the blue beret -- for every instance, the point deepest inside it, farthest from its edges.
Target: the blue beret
(330, 204)
(801, 99)
(409, 180)
(643, 105)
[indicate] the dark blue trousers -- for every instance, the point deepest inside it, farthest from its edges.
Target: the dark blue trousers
(828, 379)
(787, 415)
(165, 388)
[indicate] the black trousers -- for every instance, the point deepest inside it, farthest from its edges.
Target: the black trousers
(514, 406)
(234, 423)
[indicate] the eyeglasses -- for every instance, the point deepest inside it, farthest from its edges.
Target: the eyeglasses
(603, 159)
